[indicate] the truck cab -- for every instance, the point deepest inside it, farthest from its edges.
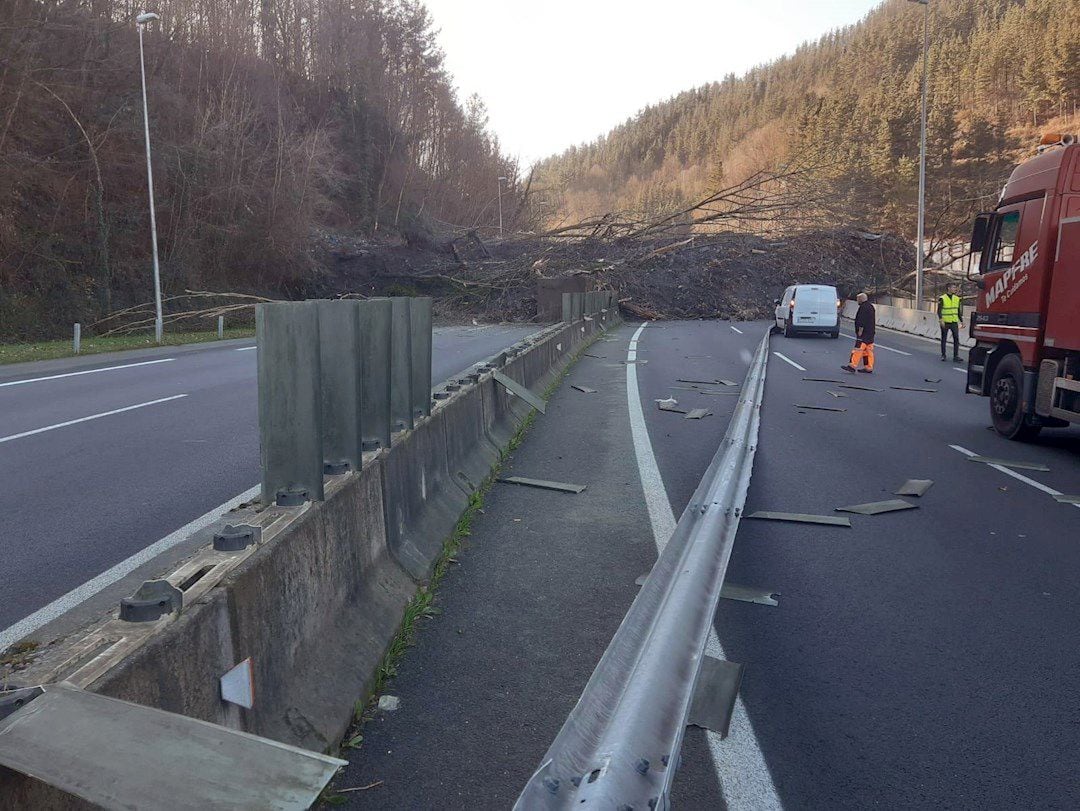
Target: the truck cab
(1026, 322)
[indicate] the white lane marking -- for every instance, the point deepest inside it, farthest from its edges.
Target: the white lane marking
(1050, 491)
(880, 346)
(246, 348)
(786, 359)
(736, 329)
(86, 372)
(81, 594)
(958, 369)
(87, 419)
(740, 765)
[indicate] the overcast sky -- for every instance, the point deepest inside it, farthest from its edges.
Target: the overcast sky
(558, 72)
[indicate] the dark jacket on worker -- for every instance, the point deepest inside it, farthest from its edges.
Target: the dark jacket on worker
(865, 320)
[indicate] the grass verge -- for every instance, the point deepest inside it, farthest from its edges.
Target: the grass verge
(422, 605)
(50, 350)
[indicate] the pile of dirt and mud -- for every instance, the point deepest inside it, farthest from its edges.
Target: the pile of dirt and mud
(708, 276)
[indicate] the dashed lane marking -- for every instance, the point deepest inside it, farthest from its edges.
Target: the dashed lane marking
(246, 348)
(87, 419)
(786, 359)
(1050, 491)
(86, 372)
(736, 329)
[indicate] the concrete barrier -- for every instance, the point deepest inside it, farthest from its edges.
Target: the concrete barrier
(317, 601)
(914, 322)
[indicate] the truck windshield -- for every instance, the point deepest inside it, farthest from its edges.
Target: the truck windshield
(1005, 240)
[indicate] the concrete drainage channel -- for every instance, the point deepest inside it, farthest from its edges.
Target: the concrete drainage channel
(294, 604)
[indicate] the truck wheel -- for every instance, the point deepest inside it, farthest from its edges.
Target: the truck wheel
(1006, 401)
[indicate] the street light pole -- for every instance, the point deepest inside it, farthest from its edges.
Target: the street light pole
(140, 22)
(501, 179)
(920, 239)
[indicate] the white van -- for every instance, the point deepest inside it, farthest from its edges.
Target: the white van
(809, 308)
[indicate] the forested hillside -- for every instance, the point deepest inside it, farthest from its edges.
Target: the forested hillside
(270, 121)
(846, 110)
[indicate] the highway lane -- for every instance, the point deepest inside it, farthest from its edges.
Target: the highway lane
(78, 498)
(922, 657)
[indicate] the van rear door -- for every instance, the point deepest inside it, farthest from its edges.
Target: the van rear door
(815, 306)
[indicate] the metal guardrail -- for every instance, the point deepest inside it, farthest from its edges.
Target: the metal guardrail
(620, 745)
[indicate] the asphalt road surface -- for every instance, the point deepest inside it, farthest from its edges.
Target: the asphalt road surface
(101, 457)
(920, 658)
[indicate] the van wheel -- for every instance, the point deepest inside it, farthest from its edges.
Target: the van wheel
(1006, 401)
(788, 331)
(834, 334)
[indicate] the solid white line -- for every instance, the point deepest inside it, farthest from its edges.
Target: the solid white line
(246, 348)
(86, 372)
(1050, 491)
(87, 419)
(786, 359)
(737, 330)
(958, 369)
(82, 593)
(880, 346)
(740, 765)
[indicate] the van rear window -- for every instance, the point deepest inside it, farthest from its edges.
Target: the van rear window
(816, 296)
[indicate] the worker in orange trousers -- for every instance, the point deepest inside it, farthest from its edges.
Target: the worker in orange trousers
(862, 356)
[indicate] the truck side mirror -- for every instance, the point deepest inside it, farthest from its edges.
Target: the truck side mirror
(979, 231)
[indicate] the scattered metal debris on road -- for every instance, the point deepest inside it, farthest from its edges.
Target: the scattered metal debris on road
(931, 379)
(590, 355)
(989, 460)
(543, 484)
(914, 487)
(583, 389)
(715, 695)
(749, 594)
(878, 507)
(1064, 499)
(671, 404)
(913, 388)
(820, 408)
(857, 387)
(836, 394)
(698, 414)
(801, 518)
(822, 380)
(521, 391)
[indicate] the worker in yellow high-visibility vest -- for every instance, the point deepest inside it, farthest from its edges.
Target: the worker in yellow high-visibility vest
(951, 318)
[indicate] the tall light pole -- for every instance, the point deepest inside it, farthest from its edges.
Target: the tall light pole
(501, 181)
(920, 239)
(141, 21)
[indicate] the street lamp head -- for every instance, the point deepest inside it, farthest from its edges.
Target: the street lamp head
(147, 17)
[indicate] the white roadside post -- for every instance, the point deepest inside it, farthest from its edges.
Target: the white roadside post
(77, 340)
(501, 181)
(141, 21)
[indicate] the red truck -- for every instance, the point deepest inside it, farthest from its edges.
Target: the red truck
(1027, 321)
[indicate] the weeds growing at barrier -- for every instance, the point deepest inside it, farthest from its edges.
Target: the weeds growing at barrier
(422, 605)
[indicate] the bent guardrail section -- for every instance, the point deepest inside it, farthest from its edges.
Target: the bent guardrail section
(619, 747)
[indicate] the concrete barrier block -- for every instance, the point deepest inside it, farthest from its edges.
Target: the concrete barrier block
(340, 360)
(422, 503)
(375, 419)
(401, 412)
(420, 347)
(315, 608)
(470, 453)
(290, 400)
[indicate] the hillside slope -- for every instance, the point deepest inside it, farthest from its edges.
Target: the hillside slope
(848, 106)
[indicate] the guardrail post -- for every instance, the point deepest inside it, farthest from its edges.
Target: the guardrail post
(567, 307)
(77, 339)
(420, 338)
(579, 306)
(220, 327)
(340, 363)
(400, 365)
(375, 316)
(290, 402)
